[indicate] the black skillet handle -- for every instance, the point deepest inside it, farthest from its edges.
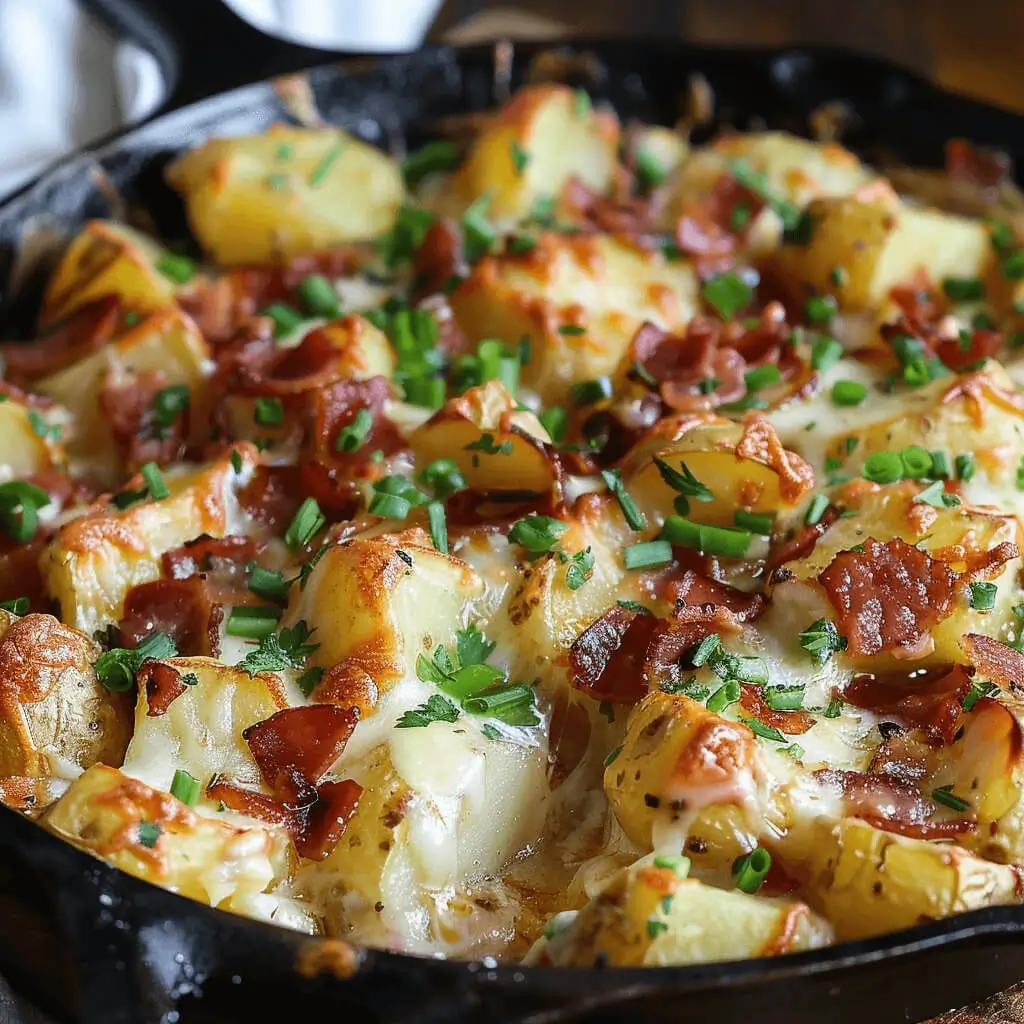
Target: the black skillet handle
(203, 47)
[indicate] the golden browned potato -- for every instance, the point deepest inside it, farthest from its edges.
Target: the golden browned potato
(537, 142)
(154, 836)
(165, 344)
(201, 730)
(264, 198)
(94, 560)
(516, 459)
(55, 716)
(651, 915)
(879, 245)
(743, 466)
(30, 439)
(868, 882)
(578, 300)
(107, 258)
(377, 603)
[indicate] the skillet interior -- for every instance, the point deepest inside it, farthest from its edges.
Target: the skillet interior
(90, 942)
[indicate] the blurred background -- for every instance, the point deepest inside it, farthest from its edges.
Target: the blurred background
(93, 83)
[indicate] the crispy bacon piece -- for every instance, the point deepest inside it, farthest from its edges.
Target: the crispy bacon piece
(708, 230)
(182, 609)
(163, 685)
(631, 217)
(607, 660)
(712, 349)
(799, 546)
(695, 590)
(128, 409)
(440, 257)
(293, 750)
(929, 699)
(87, 329)
(891, 804)
(792, 723)
(272, 496)
(214, 555)
(888, 596)
(761, 444)
(1002, 664)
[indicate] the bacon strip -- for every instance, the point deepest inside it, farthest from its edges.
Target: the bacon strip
(792, 723)
(888, 596)
(1002, 664)
(128, 409)
(163, 685)
(182, 609)
(695, 590)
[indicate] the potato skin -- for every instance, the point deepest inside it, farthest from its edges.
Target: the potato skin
(247, 203)
(52, 706)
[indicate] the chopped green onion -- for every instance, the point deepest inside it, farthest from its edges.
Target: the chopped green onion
(758, 523)
(819, 503)
(1013, 265)
(820, 309)
(945, 795)
(326, 162)
(520, 245)
(727, 294)
(917, 462)
(433, 158)
(286, 318)
(674, 862)
(427, 391)
(581, 568)
(116, 669)
(935, 495)
(682, 481)
(438, 525)
(982, 596)
(308, 522)
(634, 517)
(821, 639)
(319, 297)
(965, 466)
(751, 870)
(834, 709)
(740, 217)
(185, 787)
(709, 540)
(443, 477)
(169, 404)
(149, 834)
(252, 622)
(269, 412)
(17, 606)
(520, 158)
(825, 353)
(478, 233)
(839, 277)
(941, 467)
(19, 509)
(649, 172)
(785, 698)
(766, 732)
(177, 268)
(884, 468)
(728, 693)
(499, 701)
(589, 392)
(647, 554)
(848, 392)
(155, 483)
(581, 103)
(963, 289)
(353, 436)
(554, 420)
(389, 506)
(762, 376)
(572, 330)
(537, 534)
(268, 583)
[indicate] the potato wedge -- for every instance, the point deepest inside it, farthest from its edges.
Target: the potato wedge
(537, 142)
(94, 560)
(578, 300)
(107, 258)
(55, 716)
(516, 458)
(265, 198)
(153, 836)
(166, 344)
(649, 916)
(30, 440)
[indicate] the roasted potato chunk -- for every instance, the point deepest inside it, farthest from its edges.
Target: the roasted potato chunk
(650, 916)
(538, 141)
(94, 560)
(578, 300)
(55, 716)
(29, 440)
(265, 198)
(154, 836)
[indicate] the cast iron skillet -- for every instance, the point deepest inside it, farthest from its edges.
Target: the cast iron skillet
(89, 943)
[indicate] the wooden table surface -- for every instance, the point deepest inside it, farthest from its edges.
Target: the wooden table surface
(973, 47)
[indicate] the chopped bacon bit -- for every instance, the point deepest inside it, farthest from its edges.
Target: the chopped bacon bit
(336, 804)
(985, 168)
(712, 349)
(180, 608)
(607, 660)
(256, 805)
(929, 699)
(86, 330)
(706, 229)
(300, 743)
(128, 409)
(983, 344)
(450, 339)
(792, 723)
(630, 218)
(272, 496)
(888, 596)
(696, 590)
(1002, 664)
(439, 257)
(891, 804)
(761, 444)
(163, 686)
(801, 545)
(214, 555)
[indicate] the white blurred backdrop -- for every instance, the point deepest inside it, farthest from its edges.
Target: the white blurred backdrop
(64, 81)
